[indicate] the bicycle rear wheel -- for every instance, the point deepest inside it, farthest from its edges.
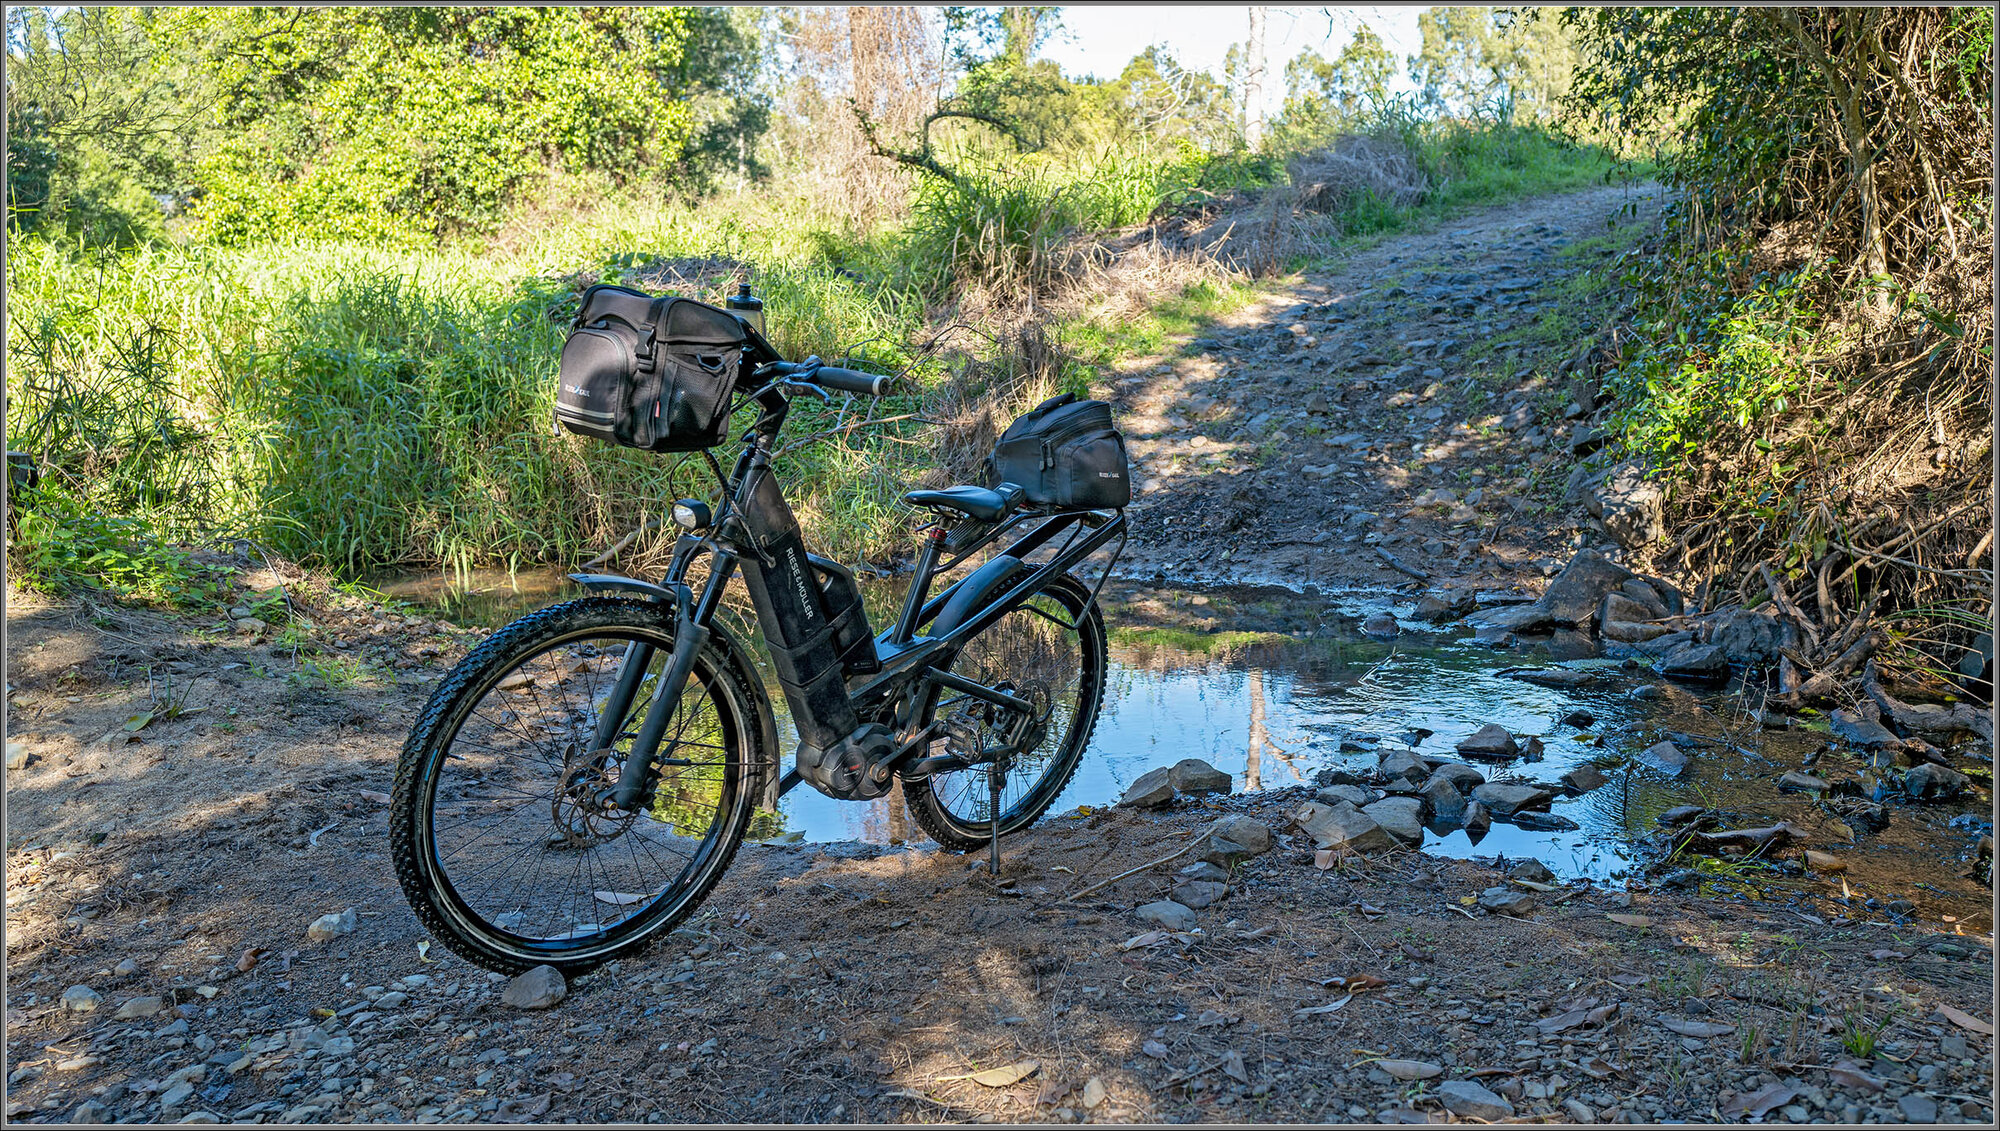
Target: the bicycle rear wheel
(1050, 651)
(499, 840)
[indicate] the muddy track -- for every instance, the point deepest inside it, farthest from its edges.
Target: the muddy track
(1403, 398)
(162, 876)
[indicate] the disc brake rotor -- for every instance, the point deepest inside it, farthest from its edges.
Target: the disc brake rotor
(582, 818)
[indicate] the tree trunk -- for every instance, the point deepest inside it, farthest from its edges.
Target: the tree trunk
(1253, 83)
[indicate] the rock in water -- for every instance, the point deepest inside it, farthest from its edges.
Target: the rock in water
(1462, 777)
(1404, 769)
(1400, 817)
(540, 988)
(1535, 821)
(1696, 663)
(1491, 742)
(1478, 822)
(1504, 800)
(1444, 805)
(1342, 826)
(1665, 757)
(1354, 795)
(1583, 779)
(1166, 914)
(1463, 1097)
(331, 926)
(1194, 777)
(1151, 791)
(1573, 597)
(1932, 782)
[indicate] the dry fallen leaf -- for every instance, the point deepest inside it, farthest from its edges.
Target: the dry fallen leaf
(1631, 920)
(1150, 938)
(1154, 1049)
(1965, 1020)
(523, 1110)
(1576, 1017)
(1052, 1090)
(380, 798)
(251, 956)
(1597, 1068)
(618, 898)
(1760, 1101)
(1000, 1077)
(1851, 1076)
(1703, 1029)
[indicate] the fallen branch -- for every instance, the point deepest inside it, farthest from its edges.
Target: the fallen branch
(1926, 720)
(1171, 856)
(1824, 682)
(1396, 564)
(619, 546)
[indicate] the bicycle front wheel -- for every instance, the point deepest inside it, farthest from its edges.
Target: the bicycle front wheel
(1050, 651)
(500, 839)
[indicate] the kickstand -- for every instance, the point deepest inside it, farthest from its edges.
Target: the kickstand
(996, 780)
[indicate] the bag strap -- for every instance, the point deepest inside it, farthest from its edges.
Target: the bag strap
(649, 334)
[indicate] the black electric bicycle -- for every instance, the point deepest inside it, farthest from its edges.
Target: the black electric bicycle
(580, 782)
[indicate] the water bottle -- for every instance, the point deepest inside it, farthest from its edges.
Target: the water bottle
(747, 306)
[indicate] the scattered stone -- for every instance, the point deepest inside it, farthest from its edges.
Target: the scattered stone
(1750, 637)
(1504, 800)
(18, 756)
(81, 999)
(1406, 767)
(1665, 757)
(1439, 606)
(1202, 870)
(1533, 871)
(1352, 794)
(138, 1007)
(332, 926)
(1932, 782)
(176, 1095)
(1195, 777)
(1166, 914)
(1918, 1108)
(1380, 624)
(1825, 863)
(1578, 718)
(1235, 838)
(1198, 894)
(1151, 791)
(1400, 817)
(1491, 742)
(1796, 782)
(1443, 804)
(1504, 900)
(539, 988)
(1540, 822)
(1461, 777)
(1584, 778)
(1632, 632)
(1561, 679)
(1630, 505)
(1342, 826)
(1574, 595)
(1410, 1069)
(1465, 1098)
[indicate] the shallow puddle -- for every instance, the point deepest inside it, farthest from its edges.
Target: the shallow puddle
(1273, 687)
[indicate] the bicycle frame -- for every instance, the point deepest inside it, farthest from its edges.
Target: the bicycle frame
(756, 532)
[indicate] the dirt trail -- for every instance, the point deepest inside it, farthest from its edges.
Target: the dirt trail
(1400, 399)
(171, 871)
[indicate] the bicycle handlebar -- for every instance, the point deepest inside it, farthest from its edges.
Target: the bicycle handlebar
(850, 380)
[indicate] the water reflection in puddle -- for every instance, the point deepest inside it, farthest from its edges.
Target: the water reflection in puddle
(1273, 687)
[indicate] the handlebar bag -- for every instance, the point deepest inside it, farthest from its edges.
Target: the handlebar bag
(1064, 453)
(648, 372)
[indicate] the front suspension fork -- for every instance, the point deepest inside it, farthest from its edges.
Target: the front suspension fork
(640, 775)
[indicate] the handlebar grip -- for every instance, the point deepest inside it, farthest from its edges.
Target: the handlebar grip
(851, 380)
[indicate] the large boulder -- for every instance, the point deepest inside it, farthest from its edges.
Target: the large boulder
(1342, 826)
(1400, 817)
(1195, 777)
(1572, 599)
(1750, 637)
(1932, 782)
(1444, 805)
(1460, 776)
(1630, 505)
(1491, 742)
(1695, 663)
(1151, 791)
(1503, 799)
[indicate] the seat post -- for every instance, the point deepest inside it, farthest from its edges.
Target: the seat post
(920, 584)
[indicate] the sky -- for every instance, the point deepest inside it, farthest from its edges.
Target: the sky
(1099, 39)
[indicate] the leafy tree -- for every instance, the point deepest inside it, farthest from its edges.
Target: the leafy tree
(1320, 95)
(405, 123)
(1474, 58)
